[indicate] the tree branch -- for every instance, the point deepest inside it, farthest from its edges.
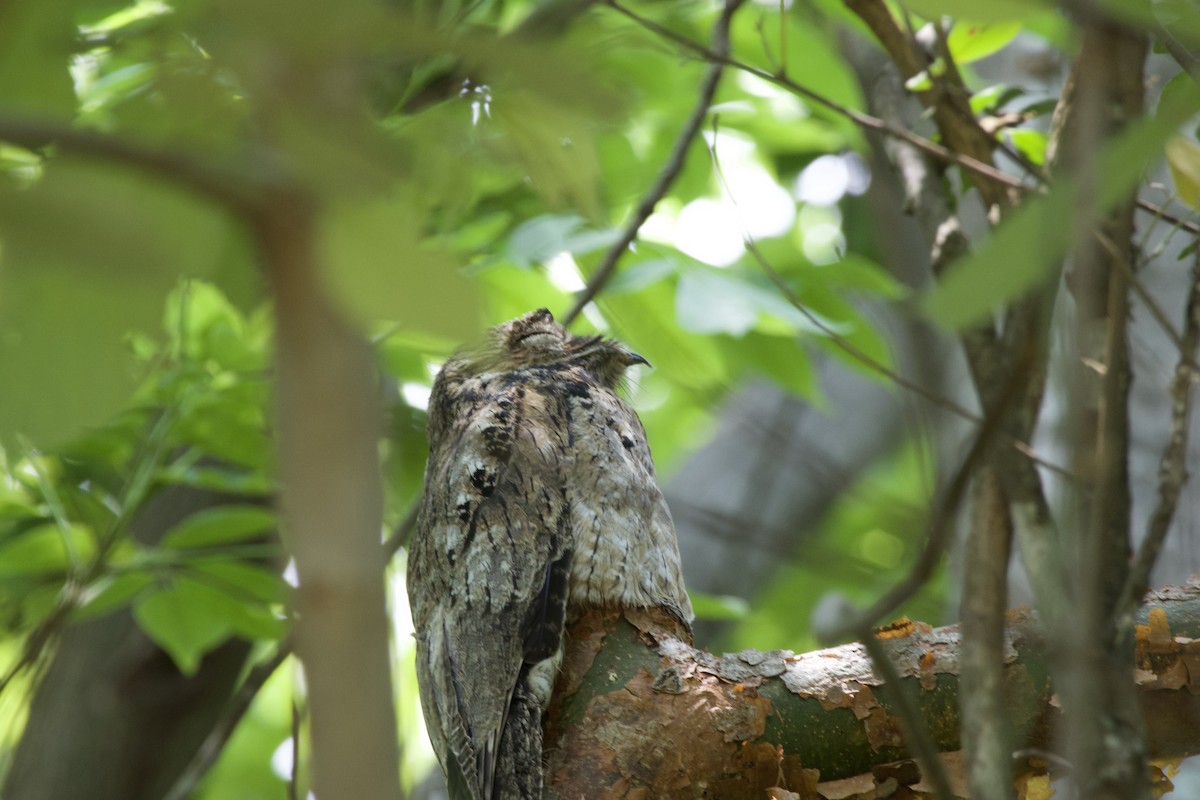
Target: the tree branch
(638, 710)
(670, 169)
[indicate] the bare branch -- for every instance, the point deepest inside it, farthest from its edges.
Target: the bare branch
(1172, 473)
(670, 169)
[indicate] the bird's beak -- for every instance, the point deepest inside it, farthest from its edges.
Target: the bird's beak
(632, 358)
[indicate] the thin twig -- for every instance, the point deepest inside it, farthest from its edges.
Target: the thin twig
(916, 728)
(867, 121)
(1173, 469)
(403, 531)
(941, 528)
(236, 187)
(293, 788)
(1162, 213)
(857, 353)
(226, 724)
(670, 169)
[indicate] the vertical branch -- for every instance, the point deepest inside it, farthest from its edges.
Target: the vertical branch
(1104, 723)
(328, 430)
(986, 740)
(1173, 470)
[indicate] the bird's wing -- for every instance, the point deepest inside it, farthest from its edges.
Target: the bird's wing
(489, 566)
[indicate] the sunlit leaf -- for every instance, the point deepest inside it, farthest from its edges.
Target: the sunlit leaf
(1029, 142)
(714, 606)
(46, 549)
(715, 301)
(1183, 156)
(541, 238)
(971, 41)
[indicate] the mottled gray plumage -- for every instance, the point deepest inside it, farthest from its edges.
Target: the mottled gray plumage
(540, 501)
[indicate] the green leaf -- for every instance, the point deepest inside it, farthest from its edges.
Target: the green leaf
(717, 606)
(1183, 156)
(380, 266)
(240, 577)
(645, 321)
(780, 359)
(244, 615)
(88, 254)
(183, 621)
(971, 41)
(111, 592)
(921, 82)
(216, 479)
(538, 240)
(221, 525)
(46, 549)
(716, 301)
(1029, 142)
(36, 43)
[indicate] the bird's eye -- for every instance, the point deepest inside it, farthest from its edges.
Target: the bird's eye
(538, 340)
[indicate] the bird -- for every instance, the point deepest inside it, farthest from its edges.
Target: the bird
(540, 502)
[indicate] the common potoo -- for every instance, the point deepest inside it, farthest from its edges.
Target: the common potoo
(540, 501)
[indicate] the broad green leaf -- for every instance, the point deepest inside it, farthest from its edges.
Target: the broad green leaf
(646, 322)
(111, 592)
(209, 328)
(990, 98)
(379, 266)
(1181, 17)
(46, 549)
(184, 621)
(228, 425)
(706, 303)
(717, 301)
(552, 145)
(1029, 142)
(512, 290)
(87, 254)
(541, 238)
(241, 578)
(1183, 156)
(971, 41)
(780, 359)
(242, 612)
(221, 525)
(36, 44)
(980, 10)
(921, 82)
(217, 479)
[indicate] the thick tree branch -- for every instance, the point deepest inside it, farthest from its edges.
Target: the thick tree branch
(640, 713)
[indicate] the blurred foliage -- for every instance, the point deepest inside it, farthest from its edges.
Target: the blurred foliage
(471, 160)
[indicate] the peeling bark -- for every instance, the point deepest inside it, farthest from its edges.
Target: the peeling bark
(640, 713)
